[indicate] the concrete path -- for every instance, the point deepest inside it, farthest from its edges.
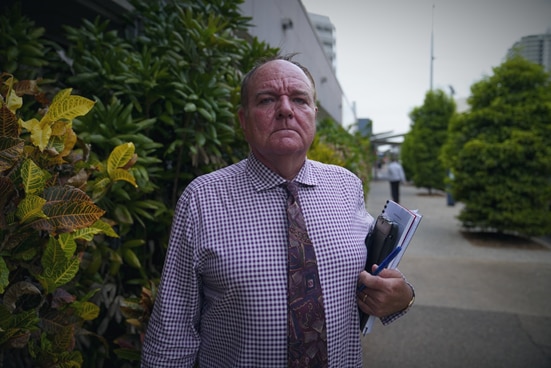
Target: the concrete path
(475, 306)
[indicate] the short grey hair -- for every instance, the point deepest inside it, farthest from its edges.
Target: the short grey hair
(250, 74)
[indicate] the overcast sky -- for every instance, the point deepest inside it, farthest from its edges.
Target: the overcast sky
(384, 48)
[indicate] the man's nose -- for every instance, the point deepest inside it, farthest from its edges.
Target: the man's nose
(284, 109)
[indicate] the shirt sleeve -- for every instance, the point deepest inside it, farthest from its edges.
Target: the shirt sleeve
(393, 317)
(172, 338)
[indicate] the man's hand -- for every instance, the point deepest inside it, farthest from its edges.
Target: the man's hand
(384, 294)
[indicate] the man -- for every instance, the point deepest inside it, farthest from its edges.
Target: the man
(396, 176)
(223, 298)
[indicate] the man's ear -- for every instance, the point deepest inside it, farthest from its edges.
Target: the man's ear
(241, 114)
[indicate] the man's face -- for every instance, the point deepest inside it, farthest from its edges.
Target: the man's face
(280, 119)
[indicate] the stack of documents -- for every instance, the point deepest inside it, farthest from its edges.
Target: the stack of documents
(404, 223)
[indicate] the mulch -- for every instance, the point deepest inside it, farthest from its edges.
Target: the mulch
(501, 240)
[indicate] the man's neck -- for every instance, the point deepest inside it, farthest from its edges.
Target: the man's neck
(287, 166)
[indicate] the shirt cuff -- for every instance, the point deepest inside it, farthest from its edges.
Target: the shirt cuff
(393, 317)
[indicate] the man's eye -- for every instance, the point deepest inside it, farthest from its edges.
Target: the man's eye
(266, 100)
(300, 101)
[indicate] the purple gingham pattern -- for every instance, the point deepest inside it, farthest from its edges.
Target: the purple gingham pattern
(223, 293)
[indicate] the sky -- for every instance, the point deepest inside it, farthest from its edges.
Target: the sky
(384, 48)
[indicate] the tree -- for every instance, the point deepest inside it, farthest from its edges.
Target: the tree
(422, 145)
(500, 151)
(334, 144)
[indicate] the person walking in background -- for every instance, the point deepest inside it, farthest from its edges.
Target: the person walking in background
(396, 176)
(233, 292)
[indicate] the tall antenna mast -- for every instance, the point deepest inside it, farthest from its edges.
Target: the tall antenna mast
(432, 48)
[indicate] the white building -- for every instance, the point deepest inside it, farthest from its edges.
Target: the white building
(327, 35)
(536, 48)
(286, 24)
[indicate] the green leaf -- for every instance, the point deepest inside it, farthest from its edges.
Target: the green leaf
(190, 107)
(67, 243)
(200, 138)
(100, 187)
(94, 229)
(122, 215)
(21, 320)
(133, 243)
(33, 177)
(86, 310)
(30, 208)
(131, 258)
(4, 279)
(207, 115)
(58, 269)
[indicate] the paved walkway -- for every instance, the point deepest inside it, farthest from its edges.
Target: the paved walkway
(475, 306)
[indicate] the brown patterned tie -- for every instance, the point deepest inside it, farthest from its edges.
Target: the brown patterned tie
(307, 331)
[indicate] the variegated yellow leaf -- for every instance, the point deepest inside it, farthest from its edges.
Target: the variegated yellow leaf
(68, 244)
(59, 127)
(58, 269)
(9, 126)
(59, 274)
(105, 228)
(30, 208)
(119, 157)
(61, 95)
(94, 229)
(55, 145)
(65, 193)
(70, 141)
(14, 102)
(40, 132)
(65, 341)
(67, 107)
(53, 253)
(100, 187)
(86, 233)
(68, 216)
(121, 174)
(29, 124)
(33, 177)
(11, 151)
(86, 310)
(68, 209)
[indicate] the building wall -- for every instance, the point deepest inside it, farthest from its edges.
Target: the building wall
(285, 24)
(536, 48)
(327, 35)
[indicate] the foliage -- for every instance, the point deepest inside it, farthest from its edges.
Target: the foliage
(22, 48)
(47, 223)
(171, 87)
(168, 83)
(421, 148)
(333, 144)
(500, 151)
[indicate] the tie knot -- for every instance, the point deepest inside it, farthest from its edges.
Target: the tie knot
(292, 188)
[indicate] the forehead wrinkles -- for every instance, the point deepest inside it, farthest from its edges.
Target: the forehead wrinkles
(288, 77)
(285, 85)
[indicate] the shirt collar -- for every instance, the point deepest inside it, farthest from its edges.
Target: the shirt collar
(263, 178)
